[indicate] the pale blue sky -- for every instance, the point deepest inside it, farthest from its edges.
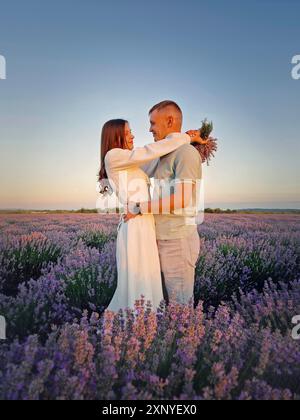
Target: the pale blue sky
(72, 65)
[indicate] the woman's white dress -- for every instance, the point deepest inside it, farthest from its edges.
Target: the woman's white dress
(138, 262)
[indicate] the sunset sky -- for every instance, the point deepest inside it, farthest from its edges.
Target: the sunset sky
(72, 65)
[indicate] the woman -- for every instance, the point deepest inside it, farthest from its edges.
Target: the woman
(138, 262)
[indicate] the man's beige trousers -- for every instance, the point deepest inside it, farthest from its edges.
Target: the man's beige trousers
(178, 259)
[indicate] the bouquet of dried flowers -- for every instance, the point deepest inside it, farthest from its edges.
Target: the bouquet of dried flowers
(209, 146)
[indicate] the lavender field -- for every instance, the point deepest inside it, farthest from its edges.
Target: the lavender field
(58, 274)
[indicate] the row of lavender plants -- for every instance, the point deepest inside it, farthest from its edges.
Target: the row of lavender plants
(58, 274)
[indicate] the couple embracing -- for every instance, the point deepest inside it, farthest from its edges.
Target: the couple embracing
(158, 242)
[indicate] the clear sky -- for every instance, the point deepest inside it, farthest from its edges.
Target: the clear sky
(72, 65)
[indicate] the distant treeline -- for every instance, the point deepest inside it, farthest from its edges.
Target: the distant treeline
(220, 211)
(253, 211)
(82, 210)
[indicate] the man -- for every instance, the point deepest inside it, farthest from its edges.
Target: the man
(176, 230)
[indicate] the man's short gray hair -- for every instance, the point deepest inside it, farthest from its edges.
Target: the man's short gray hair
(165, 104)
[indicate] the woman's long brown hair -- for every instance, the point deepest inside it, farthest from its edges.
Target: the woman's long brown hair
(112, 137)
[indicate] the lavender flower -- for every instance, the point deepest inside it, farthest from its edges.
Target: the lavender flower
(235, 343)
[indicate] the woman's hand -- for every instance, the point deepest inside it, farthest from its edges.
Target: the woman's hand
(195, 137)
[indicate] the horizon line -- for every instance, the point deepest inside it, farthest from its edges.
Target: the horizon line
(95, 209)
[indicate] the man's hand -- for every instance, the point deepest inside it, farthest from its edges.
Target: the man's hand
(129, 215)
